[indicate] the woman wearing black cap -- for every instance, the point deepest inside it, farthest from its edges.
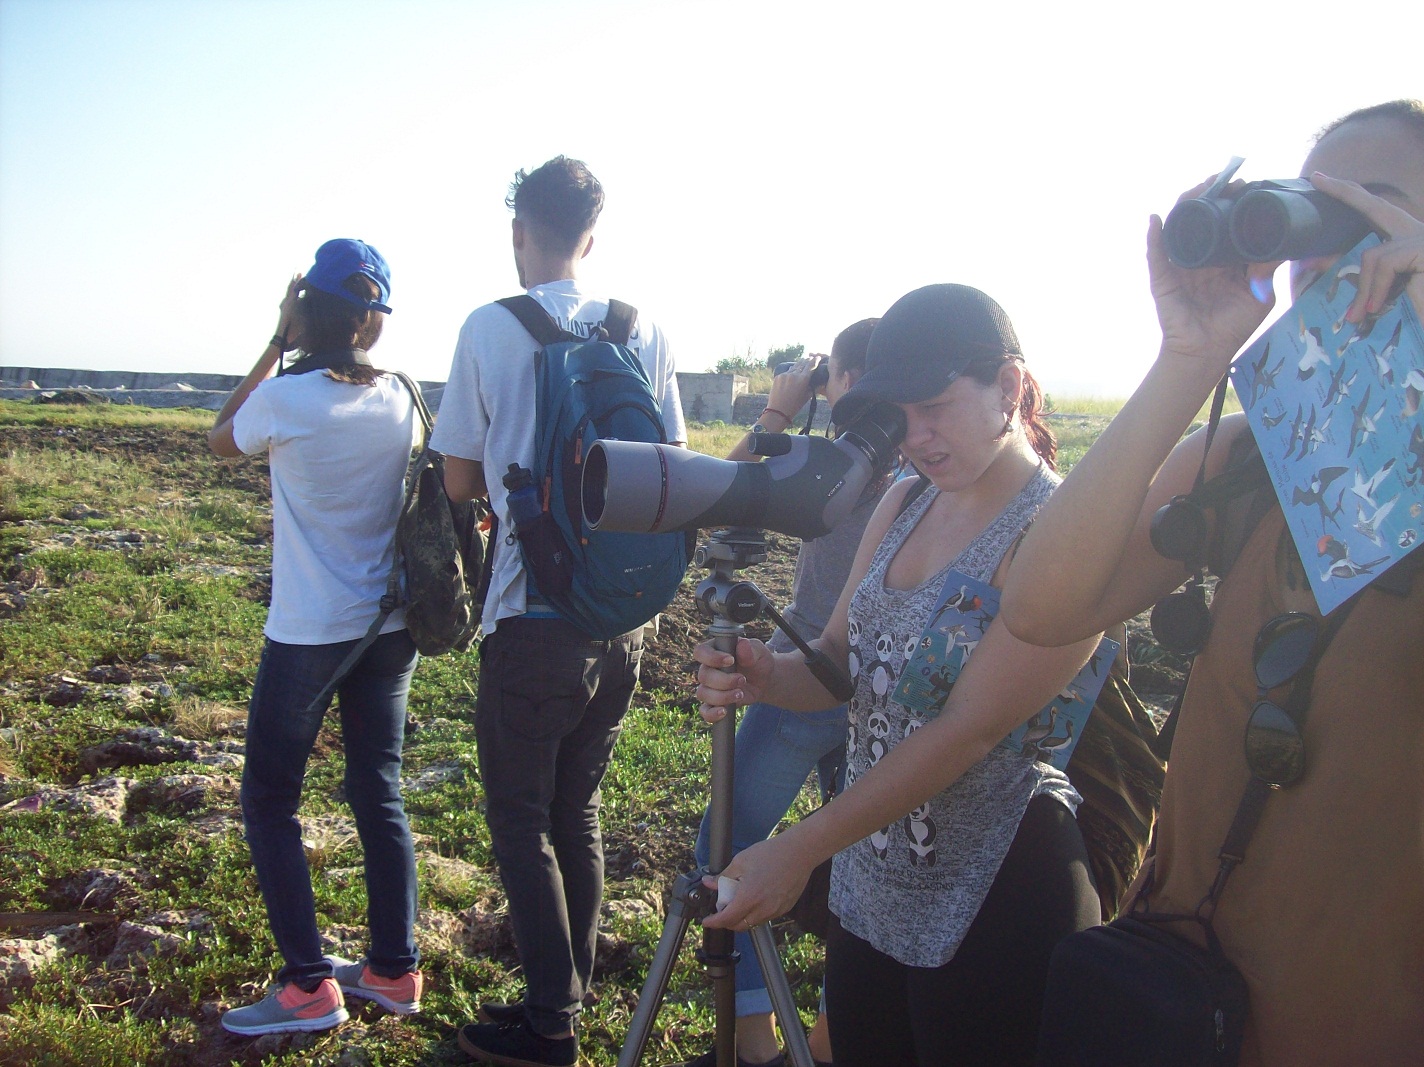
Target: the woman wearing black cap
(958, 863)
(338, 435)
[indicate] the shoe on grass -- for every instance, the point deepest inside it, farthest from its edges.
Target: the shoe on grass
(287, 1009)
(495, 1011)
(400, 995)
(516, 1044)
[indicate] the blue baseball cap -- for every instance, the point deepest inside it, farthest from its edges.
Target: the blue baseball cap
(339, 259)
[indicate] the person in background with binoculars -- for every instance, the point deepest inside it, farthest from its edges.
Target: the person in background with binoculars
(1325, 918)
(777, 749)
(338, 434)
(958, 863)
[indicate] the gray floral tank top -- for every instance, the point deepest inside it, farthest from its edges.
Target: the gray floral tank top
(912, 889)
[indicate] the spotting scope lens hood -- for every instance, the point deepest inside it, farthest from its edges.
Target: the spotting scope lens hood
(634, 487)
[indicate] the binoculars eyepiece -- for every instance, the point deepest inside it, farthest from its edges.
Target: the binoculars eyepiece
(1262, 222)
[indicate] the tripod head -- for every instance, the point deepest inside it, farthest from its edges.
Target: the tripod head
(731, 604)
(720, 597)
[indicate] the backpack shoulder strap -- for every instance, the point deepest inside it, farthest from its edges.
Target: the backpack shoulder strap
(532, 316)
(421, 410)
(618, 324)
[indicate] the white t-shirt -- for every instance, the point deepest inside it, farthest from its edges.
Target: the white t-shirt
(338, 455)
(487, 410)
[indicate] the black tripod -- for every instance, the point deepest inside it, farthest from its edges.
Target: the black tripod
(730, 605)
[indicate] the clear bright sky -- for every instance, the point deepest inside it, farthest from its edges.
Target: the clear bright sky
(774, 171)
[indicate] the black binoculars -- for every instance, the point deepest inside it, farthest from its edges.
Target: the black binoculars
(819, 377)
(1262, 222)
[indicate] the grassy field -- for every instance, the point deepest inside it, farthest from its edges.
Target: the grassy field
(133, 580)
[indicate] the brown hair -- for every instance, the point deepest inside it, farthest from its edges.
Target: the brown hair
(328, 322)
(561, 199)
(1032, 409)
(849, 348)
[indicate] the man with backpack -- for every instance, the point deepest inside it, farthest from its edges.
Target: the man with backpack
(552, 696)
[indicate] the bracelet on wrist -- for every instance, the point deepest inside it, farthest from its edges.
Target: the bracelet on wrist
(777, 411)
(278, 342)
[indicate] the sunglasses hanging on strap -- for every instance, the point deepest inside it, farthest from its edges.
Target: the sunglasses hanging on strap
(1133, 993)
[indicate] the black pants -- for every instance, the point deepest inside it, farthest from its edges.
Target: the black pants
(982, 1007)
(550, 708)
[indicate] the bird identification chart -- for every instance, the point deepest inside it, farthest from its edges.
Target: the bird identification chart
(1334, 407)
(965, 609)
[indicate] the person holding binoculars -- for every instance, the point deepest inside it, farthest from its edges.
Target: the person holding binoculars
(338, 434)
(1324, 918)
(958, 863)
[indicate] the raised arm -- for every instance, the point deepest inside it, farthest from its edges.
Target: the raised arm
(1088, 560)
(789, 393)
(1004, 682)
(220, 438)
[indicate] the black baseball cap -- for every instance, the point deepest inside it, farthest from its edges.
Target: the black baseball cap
(924, 342)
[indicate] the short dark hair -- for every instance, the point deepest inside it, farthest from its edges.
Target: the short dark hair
(328, 322)
(1409, 113)
(849, 348)
(561, 200)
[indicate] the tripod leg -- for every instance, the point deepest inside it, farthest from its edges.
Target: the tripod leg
(782, 1002)
(659, 973)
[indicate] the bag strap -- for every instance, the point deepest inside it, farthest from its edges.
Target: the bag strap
(618, 324)
(390, 599)
(1253, 801)
(537, 322)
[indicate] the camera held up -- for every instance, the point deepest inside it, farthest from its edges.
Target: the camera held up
(805, 487)
(1261, 222)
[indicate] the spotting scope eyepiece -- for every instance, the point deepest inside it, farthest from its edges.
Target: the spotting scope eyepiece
(805, 491)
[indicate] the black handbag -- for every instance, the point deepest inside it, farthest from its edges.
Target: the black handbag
(1134, 994)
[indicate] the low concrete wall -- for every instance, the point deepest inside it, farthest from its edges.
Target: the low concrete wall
(709, 397)
(705, 397)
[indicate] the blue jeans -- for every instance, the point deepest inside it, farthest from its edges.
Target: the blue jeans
(775, 751)
(280, 735)
(549, 711)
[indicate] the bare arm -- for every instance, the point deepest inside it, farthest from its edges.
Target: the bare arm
(782, 678)
(464, 479)
(220, 438)
(1105, 506)
(1004, 682)
(789, 393)
(1088, 560)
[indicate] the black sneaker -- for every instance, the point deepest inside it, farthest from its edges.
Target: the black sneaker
(515, 1044)
(495, 1011)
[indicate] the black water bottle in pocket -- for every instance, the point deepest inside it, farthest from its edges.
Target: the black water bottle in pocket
(545, 554)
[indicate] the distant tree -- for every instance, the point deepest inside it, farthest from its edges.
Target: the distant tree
(739, 364)
(784, 354)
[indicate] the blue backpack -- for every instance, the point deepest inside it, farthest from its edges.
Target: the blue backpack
(604, 583)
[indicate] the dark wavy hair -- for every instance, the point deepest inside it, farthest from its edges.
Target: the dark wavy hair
(561, 199)
(328, 323)
(1032, 409)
